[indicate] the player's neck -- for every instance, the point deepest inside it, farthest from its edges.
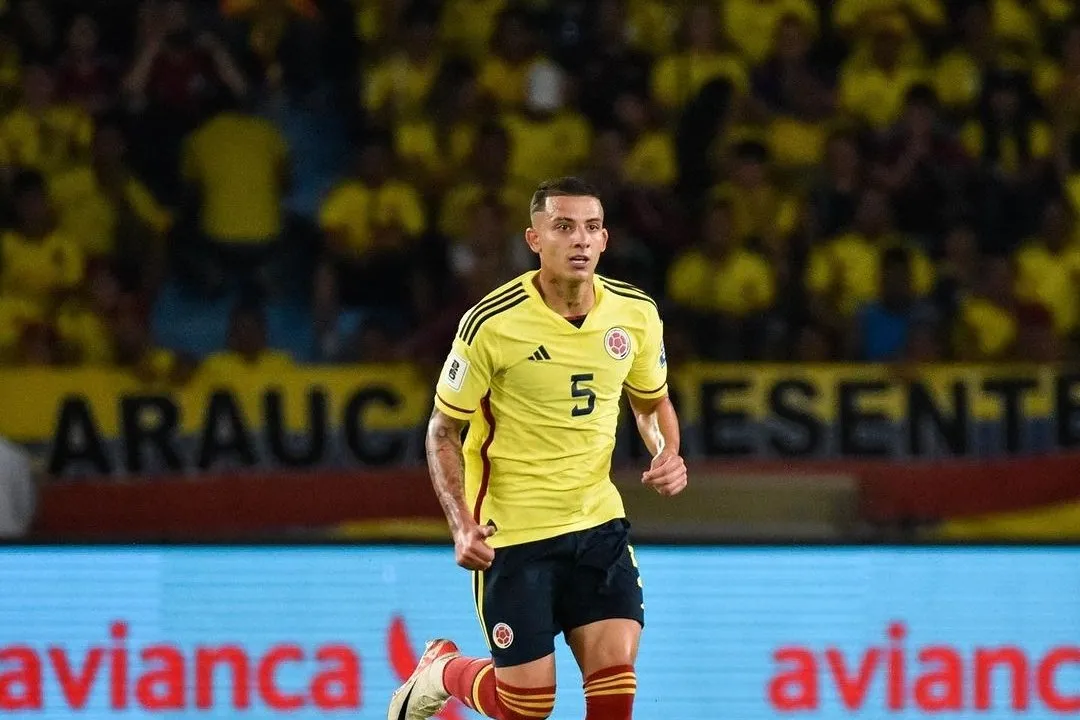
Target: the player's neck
(568, 298)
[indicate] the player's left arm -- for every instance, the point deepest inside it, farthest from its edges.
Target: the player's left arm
(659, 427)
(657, 421)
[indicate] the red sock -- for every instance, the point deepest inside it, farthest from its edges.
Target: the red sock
(472, 681)
(609, 693)
(467, 679)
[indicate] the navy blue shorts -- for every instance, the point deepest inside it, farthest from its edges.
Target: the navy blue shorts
(536, 590)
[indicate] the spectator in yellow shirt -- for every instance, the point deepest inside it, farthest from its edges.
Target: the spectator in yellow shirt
(957, 270)
(174, 81)
(398, 86)
(491, 244)
(433, 147)
(111, 213)
(137, 353)
(958, 74)
(1011, 146)
(1008, 136)
(42, 134)
(83, 323)
(651, 25)
(793, 96)
(843, 273)
(549, 138)
(700, 58)
(650, 160)
(490, 254)
(762, 212)
(466, 26)
(39, 269)
(1061, 84)
(377, 23)
(38, 263)
(851, 16)
(873, 91)
(920, 164)
(986, 328)
(884, 330)
(371, 224)
(834, 197)
(247, 351)
(1048, 268)
(504, 74)
(701, 130)
(37, 347)
(486, 173)
(613, 67)
(1024, 22)
(237, 167)
(720, 289)
(752, 24)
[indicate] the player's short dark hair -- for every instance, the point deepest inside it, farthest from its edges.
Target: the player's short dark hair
(560, 187)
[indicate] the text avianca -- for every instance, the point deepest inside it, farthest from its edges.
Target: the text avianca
(285, 676)
(932, 678)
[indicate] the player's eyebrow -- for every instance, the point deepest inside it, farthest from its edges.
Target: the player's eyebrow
(572, 220)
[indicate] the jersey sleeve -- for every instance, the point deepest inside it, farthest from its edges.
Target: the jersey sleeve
(466, 376)
(648, 375)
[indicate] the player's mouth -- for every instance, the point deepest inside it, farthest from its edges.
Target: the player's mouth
(579, 262)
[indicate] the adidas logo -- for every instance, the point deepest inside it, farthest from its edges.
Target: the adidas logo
(540, 354)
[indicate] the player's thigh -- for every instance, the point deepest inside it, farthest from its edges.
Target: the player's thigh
(602, 606)
(515, 601)
(533, 674)
(605, 643)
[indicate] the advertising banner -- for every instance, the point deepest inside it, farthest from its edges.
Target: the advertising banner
(748, 633)
(106, 423)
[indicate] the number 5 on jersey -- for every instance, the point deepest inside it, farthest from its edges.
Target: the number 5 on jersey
(577, 390)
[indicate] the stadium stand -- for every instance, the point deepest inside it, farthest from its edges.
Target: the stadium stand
(338, 163)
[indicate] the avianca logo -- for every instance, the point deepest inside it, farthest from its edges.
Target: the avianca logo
(163, 677)
(933, 678)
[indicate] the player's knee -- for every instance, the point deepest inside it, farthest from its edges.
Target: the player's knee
(609, 693)
(525, 703)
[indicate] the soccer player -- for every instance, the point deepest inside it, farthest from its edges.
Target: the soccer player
(537, 371)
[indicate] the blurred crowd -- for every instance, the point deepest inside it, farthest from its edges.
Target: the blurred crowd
(806, 180)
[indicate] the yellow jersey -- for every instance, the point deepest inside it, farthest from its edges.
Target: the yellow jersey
(237, 162)
(541, 396)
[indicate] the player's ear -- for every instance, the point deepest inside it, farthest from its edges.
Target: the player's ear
(532, 239)
(603, 239)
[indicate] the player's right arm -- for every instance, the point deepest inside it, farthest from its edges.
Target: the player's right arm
(446, 464)
(462, 386)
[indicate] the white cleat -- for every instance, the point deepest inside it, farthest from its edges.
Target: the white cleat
(423, 694)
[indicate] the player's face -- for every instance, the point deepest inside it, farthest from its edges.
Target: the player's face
(569, 236)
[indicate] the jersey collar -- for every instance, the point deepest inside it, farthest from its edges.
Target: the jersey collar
(530, 288)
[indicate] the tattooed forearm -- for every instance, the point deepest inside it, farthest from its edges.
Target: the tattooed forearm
(657, 423)
(447, 467)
